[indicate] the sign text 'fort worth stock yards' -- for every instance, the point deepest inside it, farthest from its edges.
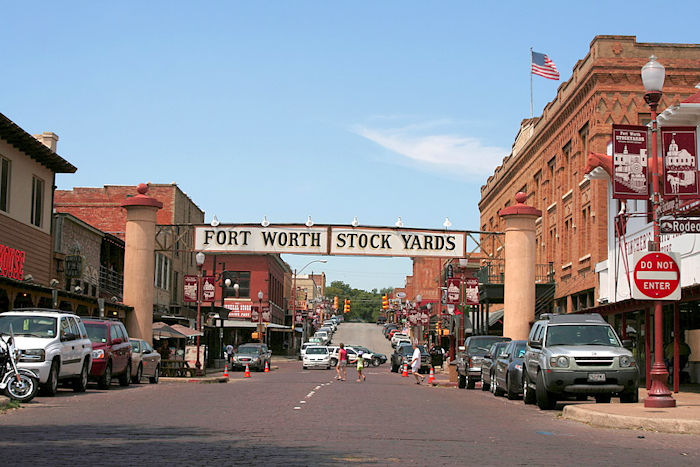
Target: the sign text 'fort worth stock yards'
(330, 240)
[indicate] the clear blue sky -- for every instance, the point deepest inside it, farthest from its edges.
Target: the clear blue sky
(296, 108)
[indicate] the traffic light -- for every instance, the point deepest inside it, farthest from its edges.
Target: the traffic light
(385, 302)
(346, 309)
(335, 303)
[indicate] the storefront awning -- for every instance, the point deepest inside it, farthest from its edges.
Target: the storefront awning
(189, 332)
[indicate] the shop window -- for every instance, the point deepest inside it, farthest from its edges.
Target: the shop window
(242, 278)
(162, 272)
(37, 201)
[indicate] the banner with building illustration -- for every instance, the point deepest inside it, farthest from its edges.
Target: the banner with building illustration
(630, 164)
(680, 159)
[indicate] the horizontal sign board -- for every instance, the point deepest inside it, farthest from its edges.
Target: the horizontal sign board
(681, 226)
(330, 240)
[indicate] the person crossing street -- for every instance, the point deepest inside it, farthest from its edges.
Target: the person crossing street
(341, 368)
(415, 364)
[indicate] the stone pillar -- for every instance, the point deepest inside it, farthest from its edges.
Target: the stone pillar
(519, 283)
(139, 261)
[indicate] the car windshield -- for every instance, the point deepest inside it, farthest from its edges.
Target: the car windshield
(316, 351)
(250, 350)
(519, 350)
(479, 346)
(136, 346)
(96, 332)
(315, 340)
(408, 349)
(581, 334)
(31, 326)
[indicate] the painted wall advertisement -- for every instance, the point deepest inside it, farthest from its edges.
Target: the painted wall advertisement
(630, 165)
(679, 149)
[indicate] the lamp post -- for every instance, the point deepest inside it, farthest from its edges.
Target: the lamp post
(429, 306)
(260, 320)
(199, 258)
(294, 299)
(653, 75)
(419, 298)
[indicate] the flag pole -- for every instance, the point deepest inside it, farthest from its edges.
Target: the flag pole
(531, 112)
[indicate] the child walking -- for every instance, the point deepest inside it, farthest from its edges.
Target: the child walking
(360, 366)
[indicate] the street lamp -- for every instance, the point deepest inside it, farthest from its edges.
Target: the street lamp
(199, 258)
(260, 320)
(294, 299)
(653, 75)
(419, 298)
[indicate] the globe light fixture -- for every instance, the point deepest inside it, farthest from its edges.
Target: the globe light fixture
(399, 222)
(265, 222)
(447, 224)
(309, 222)
(214, 221)
(355, 222)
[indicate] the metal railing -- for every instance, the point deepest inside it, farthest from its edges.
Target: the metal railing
(111, 281)
(494, 272)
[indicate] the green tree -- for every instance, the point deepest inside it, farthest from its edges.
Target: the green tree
(364, 305)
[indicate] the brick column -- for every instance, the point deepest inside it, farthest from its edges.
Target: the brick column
(139, 261)
(519, 283)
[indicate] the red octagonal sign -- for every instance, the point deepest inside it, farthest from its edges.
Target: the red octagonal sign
(657, 276)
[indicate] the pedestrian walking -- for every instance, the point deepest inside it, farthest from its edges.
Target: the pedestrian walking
(341, 367)
(229, 353)
(415, 364)
(360, 365)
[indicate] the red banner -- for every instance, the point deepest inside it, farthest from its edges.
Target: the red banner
(453, 291)
(679, 149)
(630, 164)
(208, 288)
(189, 293)
(471, 291)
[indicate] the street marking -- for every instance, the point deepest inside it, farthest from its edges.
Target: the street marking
(317, 387)
(297, 408)
(302, 402)
(310, 394)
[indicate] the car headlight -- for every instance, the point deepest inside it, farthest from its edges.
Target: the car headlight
(32, 355)
(559, 362)
(98, 354)
(626, 361)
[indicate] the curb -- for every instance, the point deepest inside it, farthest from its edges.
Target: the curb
(4, 402)
(666, 425)
(444, 384)
(205, 380)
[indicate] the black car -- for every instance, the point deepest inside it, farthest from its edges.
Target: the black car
(376, 358)
(487, 364)
(508, 374)
(470, 356)
(404, 353)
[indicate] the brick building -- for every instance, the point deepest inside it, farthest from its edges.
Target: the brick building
(549, 156)
(101, 208)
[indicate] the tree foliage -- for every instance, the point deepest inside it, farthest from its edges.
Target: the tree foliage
(364, 305)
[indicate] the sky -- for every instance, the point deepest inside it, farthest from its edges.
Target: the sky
(289, 109)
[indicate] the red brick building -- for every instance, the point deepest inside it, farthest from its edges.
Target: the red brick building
(550, 155)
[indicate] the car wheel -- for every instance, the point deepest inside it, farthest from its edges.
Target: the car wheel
(497, 391)
(125, 378)
(303, 367)
(376, 361)
(334, 362)
(328, 368)
(139, 374)
(105, 380)
(630, 397)
(462, 382)
(545, 399)
(510, 394)
(602, 398)
(80, 383)
(528, 394)
(51, 386)
(471, 384)
(156, 376)
(484, 384)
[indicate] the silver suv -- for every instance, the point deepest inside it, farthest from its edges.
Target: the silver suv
(54, 344)
(577, 355)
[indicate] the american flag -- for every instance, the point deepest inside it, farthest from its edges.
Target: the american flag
(543, 66)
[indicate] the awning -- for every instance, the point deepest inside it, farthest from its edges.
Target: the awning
(189, 332)
(163, 331)
(234, 323)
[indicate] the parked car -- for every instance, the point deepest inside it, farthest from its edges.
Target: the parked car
(324, 336)
(381, 319)
(470, 356)
(53, 344)
(145, 362)
(401, 341)
(111, 352)
(375, 358)
(316, 356)
(404, 353)
(508, 373)
(253, 355)
(487, 364)
(398, 335)
(352, 354)
(306, 345)
(577, 355)
(388, 327)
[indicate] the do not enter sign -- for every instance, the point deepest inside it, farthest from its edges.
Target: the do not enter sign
(656, 276)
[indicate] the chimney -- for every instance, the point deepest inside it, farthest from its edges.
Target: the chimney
(48, 139)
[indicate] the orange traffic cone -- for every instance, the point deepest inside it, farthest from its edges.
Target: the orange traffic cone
(431, 378)
(225, 371)
(247, 371)
(405, 371)
(267, 368)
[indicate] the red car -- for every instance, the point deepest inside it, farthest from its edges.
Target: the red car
(111, 352)
(392, 332)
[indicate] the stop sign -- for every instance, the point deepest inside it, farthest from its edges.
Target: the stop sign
(657, 276)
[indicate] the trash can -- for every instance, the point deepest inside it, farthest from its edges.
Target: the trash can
(453, 371)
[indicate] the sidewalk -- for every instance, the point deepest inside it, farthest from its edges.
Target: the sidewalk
(214, 375)
(684, 418)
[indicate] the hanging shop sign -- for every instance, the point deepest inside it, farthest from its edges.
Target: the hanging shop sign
(680, 158)
(12, 262)
(330, 240)
(630, 164)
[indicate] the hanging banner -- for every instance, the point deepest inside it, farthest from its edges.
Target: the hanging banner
(189, 293)
(630, 165)
(471, 291)
(453, 291)
(208, 288)
(680, 158)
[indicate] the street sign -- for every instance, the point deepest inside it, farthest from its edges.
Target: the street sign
(400, 294)
(681, 226)
(656, 276)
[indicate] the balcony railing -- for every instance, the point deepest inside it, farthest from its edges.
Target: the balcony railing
(111, 281)
(494, 272)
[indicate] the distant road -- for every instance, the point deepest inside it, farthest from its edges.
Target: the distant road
(365, 334)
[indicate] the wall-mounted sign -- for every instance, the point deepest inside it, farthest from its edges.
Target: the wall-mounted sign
(237, 309)
(12, 262)
(400, 294)
(330, 240)
(680, 162)
(630, 163)
(73, 266)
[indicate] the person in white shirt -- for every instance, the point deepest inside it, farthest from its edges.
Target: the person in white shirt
(415, 364)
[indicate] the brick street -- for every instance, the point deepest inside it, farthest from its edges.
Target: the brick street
(296, 417)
